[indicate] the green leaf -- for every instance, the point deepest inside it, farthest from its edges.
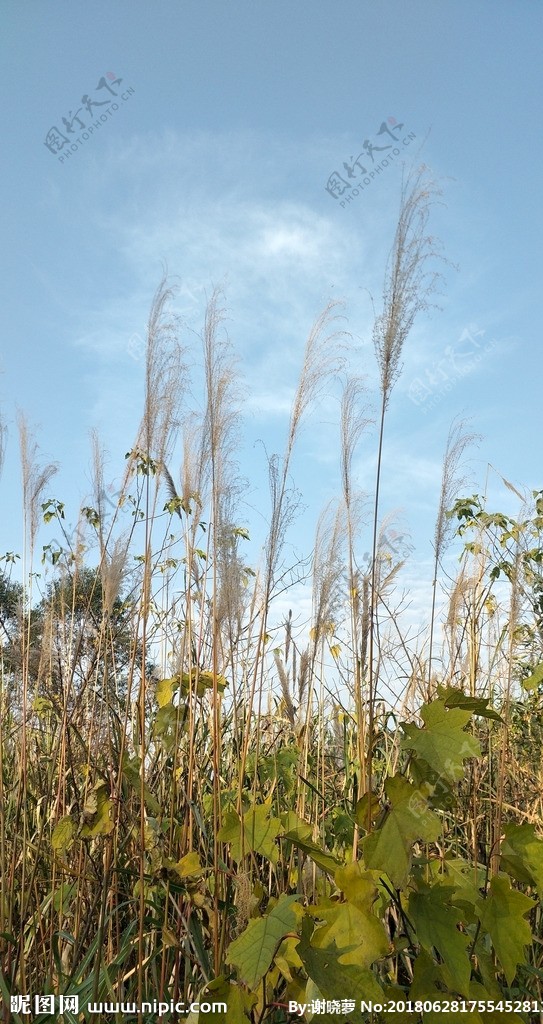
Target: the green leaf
(462, 877)
(522, 855)
(132, 773)
(475, 705)
(252, 953)
(42, 706)
(367, 809)
(279, 767)
(169, 724)
(256, 833)
(486, 993)
(287, 957)
(533, 681)
(336, 980)
(174, 504)
(64, 896)
(298, 835)
(91, 515)
(63, 834)
(292, 822)
(439, 790)
(442, 742)
(428, 985)
(436, 922)
(502, 915)
(51, 509)
(409, 818)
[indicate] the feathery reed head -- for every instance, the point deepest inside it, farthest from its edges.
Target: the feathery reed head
(408, 282)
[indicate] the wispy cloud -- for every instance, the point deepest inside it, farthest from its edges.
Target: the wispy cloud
(278, 262)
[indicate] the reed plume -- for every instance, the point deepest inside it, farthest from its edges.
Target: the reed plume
(458, 441)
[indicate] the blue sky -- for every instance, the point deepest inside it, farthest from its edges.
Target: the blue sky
(215, 165)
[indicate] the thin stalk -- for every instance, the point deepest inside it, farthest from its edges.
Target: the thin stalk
(372, 680)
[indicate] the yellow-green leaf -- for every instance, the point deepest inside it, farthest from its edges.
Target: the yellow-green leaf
(102, 819)
(357, 885)
(522, 855)
(442, 742)
(428, 986)
(367, 809)
(454, 698)
(169, 938)
(187, 866)
(63, 834)
(64, 897)
(356, 935)
(292, 821)
(42, 706)
(252, 953)
(502, 914)
(533, 680)
(436, 920)
(336, 980)
(299, 837)
(165, 689)
(169, 724)
(256, 833)
(132, 773)
(202, 680)
(462, 876)
(287, 957)
(409, 818)
(239, 1003)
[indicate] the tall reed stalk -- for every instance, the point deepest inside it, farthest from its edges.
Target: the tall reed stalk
(409, 282)
(451, 485)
